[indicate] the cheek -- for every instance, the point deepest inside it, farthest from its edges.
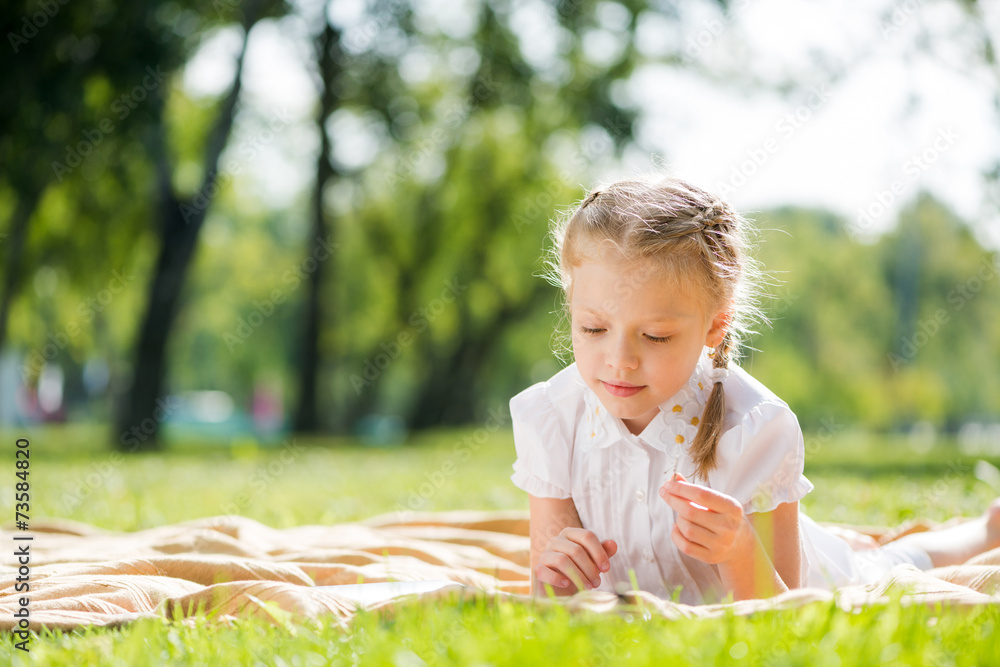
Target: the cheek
(584, 351)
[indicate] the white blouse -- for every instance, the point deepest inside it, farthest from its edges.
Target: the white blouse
(569, 446)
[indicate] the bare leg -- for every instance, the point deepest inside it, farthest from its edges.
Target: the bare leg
(953, 545)
(858, 541)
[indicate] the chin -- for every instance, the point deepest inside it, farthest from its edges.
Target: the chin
(620, 408)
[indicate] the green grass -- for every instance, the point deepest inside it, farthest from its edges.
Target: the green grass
(858, 479)
(482, 633)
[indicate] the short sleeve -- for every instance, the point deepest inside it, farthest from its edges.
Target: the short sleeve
(766, 459)
(543, 445)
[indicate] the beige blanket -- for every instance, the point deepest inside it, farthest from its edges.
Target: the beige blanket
(230, 567)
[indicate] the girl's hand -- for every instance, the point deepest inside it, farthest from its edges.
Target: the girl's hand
(710, 526)
(573, 560)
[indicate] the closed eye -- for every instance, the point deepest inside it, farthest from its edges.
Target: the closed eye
(592, 332)
(657, 339)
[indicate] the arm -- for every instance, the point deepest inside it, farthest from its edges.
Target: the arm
(548, 517)
(561, 547)
(712, 527)
(771, 564)
(778, 531)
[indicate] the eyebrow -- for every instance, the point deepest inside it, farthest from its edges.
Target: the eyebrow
(657, 318)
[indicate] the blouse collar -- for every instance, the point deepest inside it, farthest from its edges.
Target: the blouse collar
(671, 431)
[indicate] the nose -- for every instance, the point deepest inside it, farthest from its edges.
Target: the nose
(621, 352)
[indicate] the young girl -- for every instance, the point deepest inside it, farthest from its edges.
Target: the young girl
(653, 461)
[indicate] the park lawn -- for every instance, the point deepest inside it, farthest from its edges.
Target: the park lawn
(858, 478)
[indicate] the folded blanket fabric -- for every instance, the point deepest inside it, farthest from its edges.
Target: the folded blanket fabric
(229, 567)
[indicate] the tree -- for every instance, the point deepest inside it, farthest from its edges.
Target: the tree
(65, 113)
(179, 220)
(328, 59)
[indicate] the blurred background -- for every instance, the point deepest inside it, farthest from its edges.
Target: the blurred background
(240, 220)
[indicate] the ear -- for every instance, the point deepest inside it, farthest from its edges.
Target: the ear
(720, 325)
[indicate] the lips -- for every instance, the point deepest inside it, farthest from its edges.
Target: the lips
(623, 390)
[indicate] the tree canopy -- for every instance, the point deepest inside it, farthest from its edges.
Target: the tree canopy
(405, 282)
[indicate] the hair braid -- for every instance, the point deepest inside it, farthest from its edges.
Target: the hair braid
(716, 234)
(706, 440)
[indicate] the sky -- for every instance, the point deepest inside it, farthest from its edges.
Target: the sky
(891, 126)
(861, 144)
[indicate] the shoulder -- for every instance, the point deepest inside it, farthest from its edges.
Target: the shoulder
(544, 418)
(560, 399)
(749, 402)
(761, 454)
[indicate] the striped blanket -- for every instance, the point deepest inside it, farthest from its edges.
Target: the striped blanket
(231, 567)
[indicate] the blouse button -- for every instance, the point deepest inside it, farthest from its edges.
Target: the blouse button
(640, 495)
(647, 556)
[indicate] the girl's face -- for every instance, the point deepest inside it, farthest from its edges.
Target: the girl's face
(637, 335)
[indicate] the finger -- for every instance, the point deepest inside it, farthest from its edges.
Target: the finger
(546, 575)
(675, 478)
(704, 496)
(685, 507)
(581, 561)
(714, 522)
(565, 569)
(665, 489)
(596, 555)
(610, 548)
(697, 533)
(686, 546)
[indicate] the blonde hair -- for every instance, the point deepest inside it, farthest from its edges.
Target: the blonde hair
(692, 235)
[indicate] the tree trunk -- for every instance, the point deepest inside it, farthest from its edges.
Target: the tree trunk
(27, 201)
(446, 396)
(320, 243)
(146, 406)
